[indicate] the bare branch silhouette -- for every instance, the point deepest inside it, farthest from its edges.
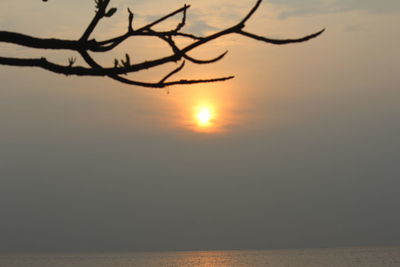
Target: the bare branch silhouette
(86, 44)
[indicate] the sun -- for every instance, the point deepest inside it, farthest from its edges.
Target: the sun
(204, 116)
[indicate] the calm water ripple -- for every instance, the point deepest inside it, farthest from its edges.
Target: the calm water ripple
(346, 257)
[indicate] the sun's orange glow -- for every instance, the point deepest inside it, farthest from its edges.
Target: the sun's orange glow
(206, 110)
(204, 116)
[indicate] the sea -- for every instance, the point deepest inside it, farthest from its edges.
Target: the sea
(343, 257)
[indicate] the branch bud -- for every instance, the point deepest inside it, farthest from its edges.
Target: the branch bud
(111, 12)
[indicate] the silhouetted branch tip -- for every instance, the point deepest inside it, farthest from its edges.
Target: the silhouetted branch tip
(84, 45)
(130, 19)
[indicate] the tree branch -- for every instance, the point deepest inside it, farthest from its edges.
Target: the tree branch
(100, 13)
(41, 43)
(83, 46)
(282, 41)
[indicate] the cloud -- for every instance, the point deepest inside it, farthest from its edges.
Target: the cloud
(199, 25)
(202, 18)
(307, 7)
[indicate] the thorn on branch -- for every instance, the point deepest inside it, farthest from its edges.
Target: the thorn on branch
(71, 61)
(127, 60)
(125, 63)
(116, 63)
(131, 16)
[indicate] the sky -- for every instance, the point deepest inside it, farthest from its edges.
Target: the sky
(301, 151)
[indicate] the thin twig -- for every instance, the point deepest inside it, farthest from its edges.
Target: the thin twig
(172, 72)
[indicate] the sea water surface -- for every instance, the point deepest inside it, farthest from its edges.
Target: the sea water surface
(343, 257)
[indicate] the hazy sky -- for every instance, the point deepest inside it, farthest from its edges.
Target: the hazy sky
(303, 149)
